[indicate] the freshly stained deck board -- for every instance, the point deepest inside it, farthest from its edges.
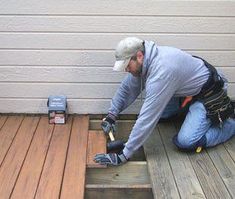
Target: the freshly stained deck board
(163, 184)
(8, 133)
(28, 179)
(96, 144)
(74, 175)
(52, 174)
(185, 177)
(12, 163)
(2, 121)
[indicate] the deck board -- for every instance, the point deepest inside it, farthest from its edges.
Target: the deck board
(11, 166)
(52, 174)
(39, 160)
(2, 121)
(74, 176)
(230, 147)
(8, 133)
(27, 182)
(185, 177)
(162, 179)
(96, 144)
(208, 175)
(225, 166)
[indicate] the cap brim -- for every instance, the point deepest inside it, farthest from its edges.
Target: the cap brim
(121, 65)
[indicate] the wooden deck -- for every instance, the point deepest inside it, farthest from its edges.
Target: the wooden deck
(38, 160)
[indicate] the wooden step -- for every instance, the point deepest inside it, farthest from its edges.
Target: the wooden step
(96, 144)
(130, 180)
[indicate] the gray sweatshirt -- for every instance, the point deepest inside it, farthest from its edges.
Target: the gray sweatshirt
(167, 72)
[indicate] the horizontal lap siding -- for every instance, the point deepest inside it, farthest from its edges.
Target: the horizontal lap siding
(67, 47)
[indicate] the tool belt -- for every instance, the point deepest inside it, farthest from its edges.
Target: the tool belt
(214, 98)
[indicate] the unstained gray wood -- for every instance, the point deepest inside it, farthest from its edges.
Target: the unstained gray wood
(210, 180)
(225, 166)
(184, 175)
(162, 179)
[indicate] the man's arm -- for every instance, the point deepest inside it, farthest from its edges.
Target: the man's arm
(158, 94)
(126, 94)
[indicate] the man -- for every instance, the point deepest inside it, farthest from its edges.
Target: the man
(169, 75)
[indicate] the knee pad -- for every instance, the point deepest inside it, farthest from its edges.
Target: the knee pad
(190, 147)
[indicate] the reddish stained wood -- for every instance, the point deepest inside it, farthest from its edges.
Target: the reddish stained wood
(2, 120)
(74, 176)
(8, 133)
(96, 144)
(27, 182)
(52, 174)
(12, 163)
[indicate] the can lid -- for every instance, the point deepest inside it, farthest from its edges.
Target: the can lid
(57, 103)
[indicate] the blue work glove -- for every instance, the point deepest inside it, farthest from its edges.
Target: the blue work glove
(110, 159)
(108, 124)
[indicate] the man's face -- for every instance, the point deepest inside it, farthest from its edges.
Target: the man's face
(135, 65)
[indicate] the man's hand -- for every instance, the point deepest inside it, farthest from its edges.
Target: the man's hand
(110, 159)
(108, 124)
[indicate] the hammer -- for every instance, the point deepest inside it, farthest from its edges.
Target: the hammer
(114, 145)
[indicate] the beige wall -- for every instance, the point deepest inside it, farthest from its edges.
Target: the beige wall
(66, 46)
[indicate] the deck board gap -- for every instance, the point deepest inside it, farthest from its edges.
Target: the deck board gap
(44, 162)
(168, 158)
(66, 158)
(3, 121)
(25, 157)
(11, 141)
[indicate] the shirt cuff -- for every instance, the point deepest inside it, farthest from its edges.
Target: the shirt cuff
(127, 153)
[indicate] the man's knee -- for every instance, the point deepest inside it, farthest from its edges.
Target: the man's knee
(187, 143)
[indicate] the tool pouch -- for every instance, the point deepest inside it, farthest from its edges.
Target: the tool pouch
(214, 98)
(218, 107)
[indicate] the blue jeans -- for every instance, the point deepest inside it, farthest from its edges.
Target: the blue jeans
(197, 129)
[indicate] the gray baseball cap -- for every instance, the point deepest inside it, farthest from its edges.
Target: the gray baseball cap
(125, 49)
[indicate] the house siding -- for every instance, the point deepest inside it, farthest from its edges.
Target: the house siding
(67, 46)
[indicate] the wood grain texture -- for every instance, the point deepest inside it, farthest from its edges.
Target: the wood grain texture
(52, 174)
(132, 173)
(2, 120)
(230, 147)
(96, 144)
(209, 178)
(74, 175)
(185, 177)
(225, 166)
(11, 165)
(7, 134)
(162, 179)
(28, 179)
